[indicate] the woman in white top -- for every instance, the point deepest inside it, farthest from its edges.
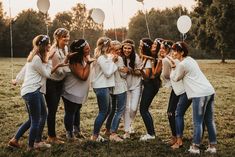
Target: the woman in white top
(118, 94)
(174, 99)
(76, 87)
(35, 72)
(133, 63)
(182, 104)
(102, 80)
(199, 89)
(54, 85)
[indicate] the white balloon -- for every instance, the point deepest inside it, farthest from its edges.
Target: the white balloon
(43, 5)
(139, 0)
(98, 15)
(184, 23)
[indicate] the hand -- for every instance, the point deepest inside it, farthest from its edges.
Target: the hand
(124, 69)
(130, 71)
(14, 82)
(172, 61)
(89, 60)
(115, 58)
(68, 56)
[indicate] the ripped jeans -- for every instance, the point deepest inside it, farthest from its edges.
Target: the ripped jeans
(203, 110)
(173, 101)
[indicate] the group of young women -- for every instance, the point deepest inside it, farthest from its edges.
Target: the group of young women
(122, 80)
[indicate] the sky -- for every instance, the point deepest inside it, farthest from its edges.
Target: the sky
(116, 16)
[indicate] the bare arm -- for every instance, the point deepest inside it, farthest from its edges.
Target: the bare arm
(80, 71)
(158, 68)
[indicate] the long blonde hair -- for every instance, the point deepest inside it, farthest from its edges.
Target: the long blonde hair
(102, 46)
(40, 43)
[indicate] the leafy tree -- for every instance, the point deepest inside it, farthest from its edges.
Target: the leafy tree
(27, 25)
(84, 26)
(64, 20)
(215, 26)
(4, 33)
(78, 22)
(120, 33)
(162, 24)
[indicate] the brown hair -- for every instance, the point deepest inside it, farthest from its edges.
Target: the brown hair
(40, 43)
(180, 46)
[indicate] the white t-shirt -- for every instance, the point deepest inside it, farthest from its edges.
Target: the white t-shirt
(35, 75)
(134, 81)
(75, 89)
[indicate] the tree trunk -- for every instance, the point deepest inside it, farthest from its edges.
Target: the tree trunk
(222, 57)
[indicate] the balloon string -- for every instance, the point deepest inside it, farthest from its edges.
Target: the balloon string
(84, 20)
(12, 63)
(146, 21)
(115, 31)
(47, 25)
(184, 37)
(122, 22)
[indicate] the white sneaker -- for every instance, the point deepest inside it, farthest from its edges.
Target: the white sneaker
(194, 150)
(147, 137)
(211, 150)
(41, 144)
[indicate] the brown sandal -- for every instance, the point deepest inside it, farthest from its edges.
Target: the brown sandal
(176, 145)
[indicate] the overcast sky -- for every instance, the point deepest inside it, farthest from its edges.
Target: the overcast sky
(129, 8)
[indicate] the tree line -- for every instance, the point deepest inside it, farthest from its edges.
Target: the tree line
(212, 34)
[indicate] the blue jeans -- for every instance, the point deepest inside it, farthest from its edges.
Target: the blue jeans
(24, 127)
(181, 108)
(111, 111)
(119, 101)
(203, 110)
(38, 114)
(103, 99)
(71, 112)
(149, 92)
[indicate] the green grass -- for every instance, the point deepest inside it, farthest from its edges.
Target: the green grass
(13, 114)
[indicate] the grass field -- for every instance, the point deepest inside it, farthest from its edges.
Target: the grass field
(222, 76)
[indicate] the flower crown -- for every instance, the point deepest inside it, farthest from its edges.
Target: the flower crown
(60, 30)
(82, 45)
(128, 44)
(178, 43)
(106, 41)
(144, 43)
(45, 38)
(158, 40)
(166, 44)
